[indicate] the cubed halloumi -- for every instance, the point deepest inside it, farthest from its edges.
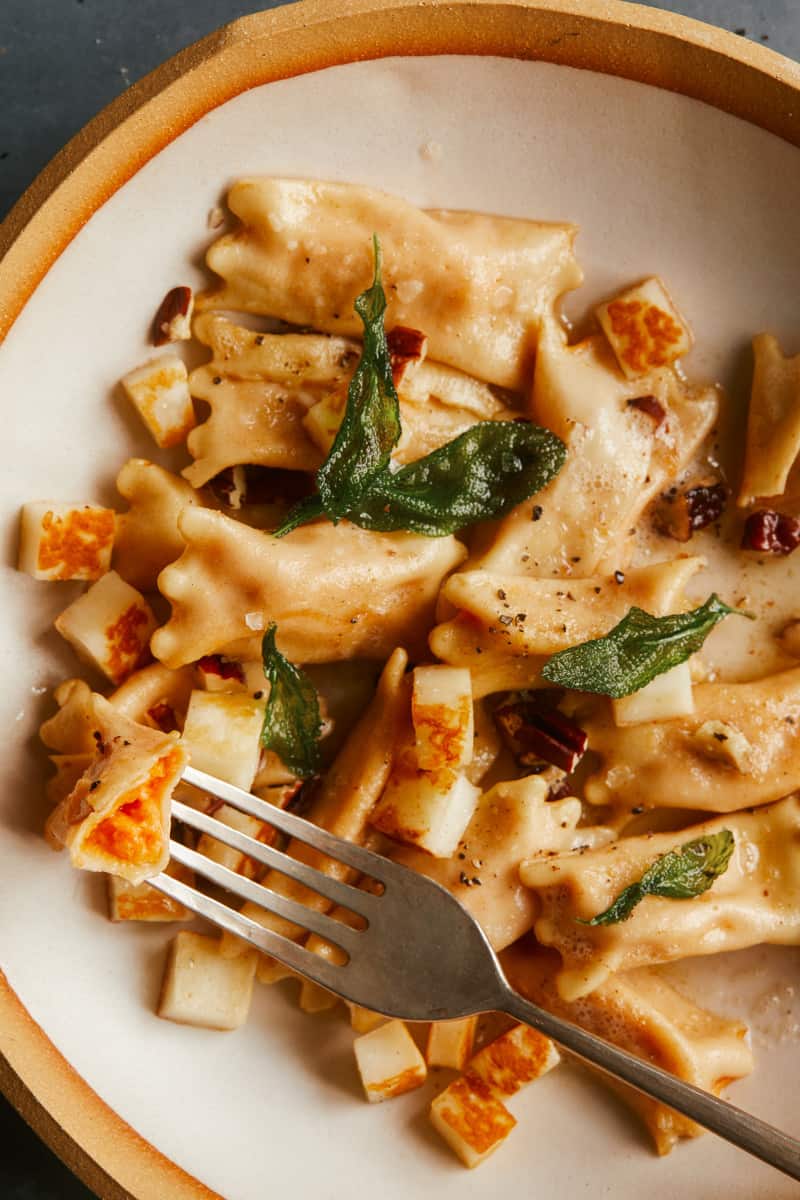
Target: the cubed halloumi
(222, 734)
(202, 988)
(644, 328)
(441, 711)
(389, 1062)
(65, 541)
(471, 1119)
(517, 1057)
(450, 1043)
(109, 626)
(668, 695)
(159, 391)
(428, 809)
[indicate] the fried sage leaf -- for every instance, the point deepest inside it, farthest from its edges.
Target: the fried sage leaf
(292, 720)
(679, 875)
(480, 475)
(640, 647)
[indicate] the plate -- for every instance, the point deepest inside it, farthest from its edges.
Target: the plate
(504, 107)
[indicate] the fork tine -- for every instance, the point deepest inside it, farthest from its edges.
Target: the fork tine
(332, 931)
(332, 889)
(323, 971)
(319, 839)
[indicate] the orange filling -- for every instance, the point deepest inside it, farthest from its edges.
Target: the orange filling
(134, 832)
(76, 546)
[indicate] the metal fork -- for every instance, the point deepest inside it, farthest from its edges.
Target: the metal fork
(420, 956)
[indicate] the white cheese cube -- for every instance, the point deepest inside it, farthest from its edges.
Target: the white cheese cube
(222, 735)
(323, 419)
(645, 329)
(109, 626)
(364, 1020)
(389, 1062)
(428, 809)
(202, 988)
(450, 1043)
(668, 695)
(517, 1057)
(471, 1119)
(65, 541)
(441, 710)
(159, 390)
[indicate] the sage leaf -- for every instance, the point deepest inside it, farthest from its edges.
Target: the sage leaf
(679, 875)
(292, 720)
(640, 647)
(479, 476)
(370, 428)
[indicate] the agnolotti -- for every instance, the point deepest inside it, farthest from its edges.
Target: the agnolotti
(265, 392)
(116, 818)
(503, 617)
(643, 1014)
(740, 747)
(773, 423)
(511, 819)
(335, 593)
(757, 899)
(477, 285)
(619, 457)
(147, 536)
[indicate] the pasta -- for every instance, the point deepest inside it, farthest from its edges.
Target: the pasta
(415, 577)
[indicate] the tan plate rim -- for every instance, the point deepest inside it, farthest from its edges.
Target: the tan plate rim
(609, 36)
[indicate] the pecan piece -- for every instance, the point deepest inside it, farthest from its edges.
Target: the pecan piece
(406, 346)
(536, 732)
(770, 532)
(173, 321)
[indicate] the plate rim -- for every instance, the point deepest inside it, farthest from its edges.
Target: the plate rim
(612, 37)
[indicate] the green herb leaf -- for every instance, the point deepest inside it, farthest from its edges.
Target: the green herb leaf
(480, 475)
(292, 721)
(636, 650)
(679, 875)
(370, 428)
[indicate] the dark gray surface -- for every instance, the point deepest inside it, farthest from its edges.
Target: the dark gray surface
(61, 61)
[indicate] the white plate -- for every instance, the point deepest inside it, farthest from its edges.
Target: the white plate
(658, 183)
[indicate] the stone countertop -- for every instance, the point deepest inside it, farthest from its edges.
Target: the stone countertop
(61, 61)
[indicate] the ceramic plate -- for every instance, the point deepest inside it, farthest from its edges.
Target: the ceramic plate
(659, 183)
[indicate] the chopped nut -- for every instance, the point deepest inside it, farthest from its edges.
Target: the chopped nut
(680, 514)
(173, 321)
(652, 407)
(537, 733)
(724, 742)
(770, 532)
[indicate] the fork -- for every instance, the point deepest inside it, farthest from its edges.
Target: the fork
(420, 956)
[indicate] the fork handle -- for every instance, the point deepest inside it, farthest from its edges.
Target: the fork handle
(743, 1130)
